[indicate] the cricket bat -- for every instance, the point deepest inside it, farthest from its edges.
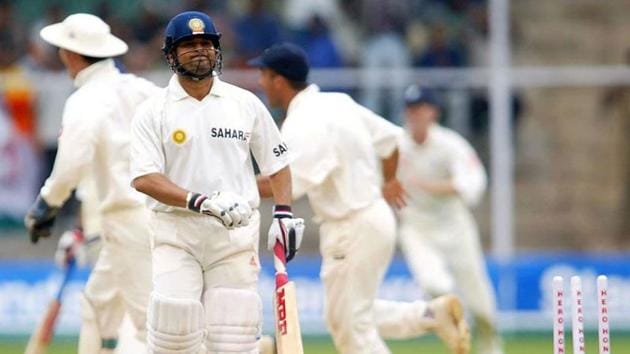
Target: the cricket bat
(288, 334)
(41, 337)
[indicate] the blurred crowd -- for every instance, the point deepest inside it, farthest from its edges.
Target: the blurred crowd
(368, 34)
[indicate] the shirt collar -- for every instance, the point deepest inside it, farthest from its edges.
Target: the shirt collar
(295, 102)
(98, 69)
(177, 92)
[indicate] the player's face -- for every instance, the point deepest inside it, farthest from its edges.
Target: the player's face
(68, 58)
(419, 118)
(268, 81)
(197, 55)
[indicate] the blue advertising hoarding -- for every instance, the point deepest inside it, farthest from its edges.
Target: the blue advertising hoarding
(523, 285)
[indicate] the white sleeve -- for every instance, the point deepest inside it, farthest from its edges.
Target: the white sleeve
(75, 153)
(315, 159)
(270, 151)
(385, 135)
(146, 155)
(468, 175)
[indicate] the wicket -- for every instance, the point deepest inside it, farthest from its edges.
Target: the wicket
(577, 315)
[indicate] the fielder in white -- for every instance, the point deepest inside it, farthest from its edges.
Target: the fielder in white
(337, 143)
(86, 252)
(95, 141)
(192, 149)
(443, 178)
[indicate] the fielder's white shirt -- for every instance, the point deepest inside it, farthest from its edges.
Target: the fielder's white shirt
(444, 156)
(336, 143)
(206, 145)
(95, 136)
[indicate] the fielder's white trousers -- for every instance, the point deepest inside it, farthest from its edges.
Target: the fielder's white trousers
(445, 256)
(356, 252)
(120, 281)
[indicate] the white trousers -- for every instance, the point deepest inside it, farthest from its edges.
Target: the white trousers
(445, 256)
(356, 252)
(120, 281)
(193, 253)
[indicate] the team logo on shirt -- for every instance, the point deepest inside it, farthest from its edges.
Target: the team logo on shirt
(196, 25)
(179, 136)
(228, 133)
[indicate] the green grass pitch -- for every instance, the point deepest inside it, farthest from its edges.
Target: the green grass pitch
(514, 344)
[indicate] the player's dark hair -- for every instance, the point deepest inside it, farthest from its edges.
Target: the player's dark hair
(297, 85)
(92, 60)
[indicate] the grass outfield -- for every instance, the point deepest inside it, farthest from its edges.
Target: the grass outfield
(514, 344)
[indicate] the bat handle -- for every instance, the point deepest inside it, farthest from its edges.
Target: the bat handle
(66, 277)
(280, 263)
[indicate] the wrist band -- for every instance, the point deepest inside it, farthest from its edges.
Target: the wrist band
(282, 211)
(194, 200)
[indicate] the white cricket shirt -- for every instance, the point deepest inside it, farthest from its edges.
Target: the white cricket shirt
(95, 135)
(336, 143)
(444, 156)
(204, 146)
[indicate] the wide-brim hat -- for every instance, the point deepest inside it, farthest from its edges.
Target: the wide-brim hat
(84, 34)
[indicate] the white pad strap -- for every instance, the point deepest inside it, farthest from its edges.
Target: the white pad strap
(174, 326)
(234, 320)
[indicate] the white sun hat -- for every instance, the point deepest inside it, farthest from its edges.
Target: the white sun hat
(84, 34)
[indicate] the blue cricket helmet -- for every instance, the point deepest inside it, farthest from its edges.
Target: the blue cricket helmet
(186, 25)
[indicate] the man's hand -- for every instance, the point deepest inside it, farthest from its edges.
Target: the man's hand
(287, 230)
(40, 219)
(231, 209)
(71, 246)
(395, 194)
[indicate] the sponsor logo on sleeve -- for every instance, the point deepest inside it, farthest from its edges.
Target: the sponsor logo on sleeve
(280, 150)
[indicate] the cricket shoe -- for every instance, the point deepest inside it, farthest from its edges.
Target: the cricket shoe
(450, 324)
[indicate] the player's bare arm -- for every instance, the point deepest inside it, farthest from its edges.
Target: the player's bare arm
(277, 186)
(280, 185)
(160, 188)
(264, 186)
(393, 191)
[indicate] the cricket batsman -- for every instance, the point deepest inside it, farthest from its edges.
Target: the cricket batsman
(191, 153)
(443, 178)
(337, 143)
(95, 141)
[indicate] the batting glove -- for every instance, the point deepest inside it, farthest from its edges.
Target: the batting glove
(285, 229)
(40, 219)
(71, 246)
(231, 209)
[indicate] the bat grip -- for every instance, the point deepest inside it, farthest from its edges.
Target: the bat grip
(66, 277)
(280, 264)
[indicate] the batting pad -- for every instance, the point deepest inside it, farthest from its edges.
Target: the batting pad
(234, 320)
(174, 326)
